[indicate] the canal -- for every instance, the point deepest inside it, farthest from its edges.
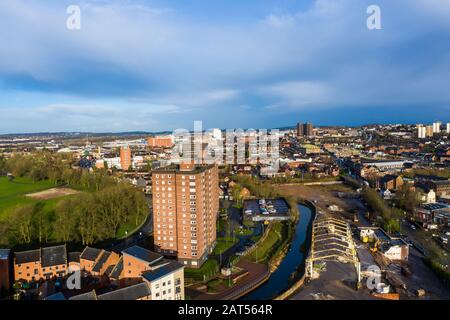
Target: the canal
(293, 262)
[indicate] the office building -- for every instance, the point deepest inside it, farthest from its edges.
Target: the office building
(185, 207)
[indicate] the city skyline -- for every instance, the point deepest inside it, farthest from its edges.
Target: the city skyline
(159, 65)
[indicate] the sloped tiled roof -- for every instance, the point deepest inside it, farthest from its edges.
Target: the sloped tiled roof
(143, 254)
(134, 292)
(54, 256)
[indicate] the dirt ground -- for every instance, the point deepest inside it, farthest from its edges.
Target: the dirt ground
(326, 195)
(52, 193)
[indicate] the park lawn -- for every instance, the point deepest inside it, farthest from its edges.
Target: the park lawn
(130, 227)
(263, 250)
(243, 232)
(223, 244)
(222, 225)
(208, 270)
(12, 193)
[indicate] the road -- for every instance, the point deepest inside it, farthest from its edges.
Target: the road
(140, 235)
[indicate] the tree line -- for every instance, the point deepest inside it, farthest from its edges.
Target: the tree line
(87, 217)
(59, 168)
(94, 215)
(390, 215)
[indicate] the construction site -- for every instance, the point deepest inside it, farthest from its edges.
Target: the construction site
(350, 259)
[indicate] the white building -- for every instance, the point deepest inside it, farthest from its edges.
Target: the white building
(448, 127)
(113, 162)
(216, 133)
(427, 196)
(166, 282)
(421, 132)
(437, 127)
(137, 161)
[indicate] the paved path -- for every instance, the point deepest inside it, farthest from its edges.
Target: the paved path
(258, 273)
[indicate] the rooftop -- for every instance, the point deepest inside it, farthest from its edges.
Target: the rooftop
(101, 261)
(54, 256)
(56, 297)
(143, 254)
(176, 169)
(441, 182)
(85, 296)
(4, 254)
(162, 271)
(27, 256)
(134, 292)
(90, 254)
(74, 256)
(117, 270)
(435, 206)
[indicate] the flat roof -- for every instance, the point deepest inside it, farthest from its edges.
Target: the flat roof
(176, 169)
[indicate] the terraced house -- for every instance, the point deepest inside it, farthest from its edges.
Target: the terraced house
(44, 263)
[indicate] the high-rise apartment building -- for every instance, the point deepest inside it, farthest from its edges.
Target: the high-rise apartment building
(437, 127)
(305, 129)
(185, 208)
(429, 131)
(421, 132)
(448, 127)
(125, 158)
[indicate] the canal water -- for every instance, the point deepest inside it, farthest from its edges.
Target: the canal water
(294, 261)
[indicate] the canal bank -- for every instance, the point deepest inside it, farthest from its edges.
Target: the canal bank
(292, 267)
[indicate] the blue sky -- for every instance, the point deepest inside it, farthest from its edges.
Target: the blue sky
(160, 65)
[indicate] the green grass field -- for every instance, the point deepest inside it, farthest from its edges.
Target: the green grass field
(208, 270)
(264, 248)
(223, 244)
(12, 193)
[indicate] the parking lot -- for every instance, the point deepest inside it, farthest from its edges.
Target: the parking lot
(262, 209)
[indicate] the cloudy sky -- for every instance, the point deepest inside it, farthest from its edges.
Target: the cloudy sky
(160, 65)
